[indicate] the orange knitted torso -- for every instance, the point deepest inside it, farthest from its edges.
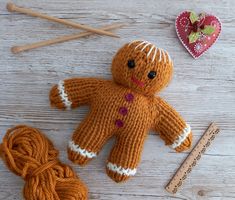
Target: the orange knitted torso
(125, 107)
(122, 108)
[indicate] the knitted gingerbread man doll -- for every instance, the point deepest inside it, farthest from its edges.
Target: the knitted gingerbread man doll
(125, 107)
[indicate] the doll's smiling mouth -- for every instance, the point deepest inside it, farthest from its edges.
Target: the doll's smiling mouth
(136, 81)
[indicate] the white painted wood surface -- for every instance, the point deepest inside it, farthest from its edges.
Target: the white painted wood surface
(202, 90)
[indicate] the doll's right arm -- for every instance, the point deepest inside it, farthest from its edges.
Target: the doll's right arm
(74, 92)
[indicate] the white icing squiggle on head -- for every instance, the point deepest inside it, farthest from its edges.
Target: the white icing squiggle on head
(153, 51)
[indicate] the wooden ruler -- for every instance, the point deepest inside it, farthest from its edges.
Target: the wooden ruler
(192, 158)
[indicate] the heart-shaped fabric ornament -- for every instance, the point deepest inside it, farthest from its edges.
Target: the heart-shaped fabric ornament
(197, 33)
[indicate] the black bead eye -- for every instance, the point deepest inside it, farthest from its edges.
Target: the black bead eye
(131, 64)
(152, 74)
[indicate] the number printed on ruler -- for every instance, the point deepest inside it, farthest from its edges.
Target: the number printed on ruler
(192, 158)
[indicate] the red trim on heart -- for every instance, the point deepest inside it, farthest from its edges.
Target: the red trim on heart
(183, 29)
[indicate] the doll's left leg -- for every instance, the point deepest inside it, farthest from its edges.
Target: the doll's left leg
(125, 156)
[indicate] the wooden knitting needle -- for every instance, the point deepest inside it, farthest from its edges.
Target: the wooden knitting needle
(13, 8)
(18, 49)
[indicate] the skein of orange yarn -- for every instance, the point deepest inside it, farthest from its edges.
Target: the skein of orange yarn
(30, 154)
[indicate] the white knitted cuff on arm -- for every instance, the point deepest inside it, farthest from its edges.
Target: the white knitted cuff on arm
(64, 95)
(182, 137)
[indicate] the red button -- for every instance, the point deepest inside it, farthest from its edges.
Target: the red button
(123, 111)
(119, 123)
(129, 97)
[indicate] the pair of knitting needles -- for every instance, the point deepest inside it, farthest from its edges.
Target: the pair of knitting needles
(89, 30)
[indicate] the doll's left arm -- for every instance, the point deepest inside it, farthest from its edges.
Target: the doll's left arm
(171, 127)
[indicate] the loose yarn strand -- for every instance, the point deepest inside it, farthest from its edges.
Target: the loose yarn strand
(30, 154)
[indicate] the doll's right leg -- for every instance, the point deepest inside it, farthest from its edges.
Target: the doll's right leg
(88, 139)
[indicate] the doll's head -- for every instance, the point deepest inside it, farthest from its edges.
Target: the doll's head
(143, 67)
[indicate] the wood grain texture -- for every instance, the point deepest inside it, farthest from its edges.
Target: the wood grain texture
(202, 90)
